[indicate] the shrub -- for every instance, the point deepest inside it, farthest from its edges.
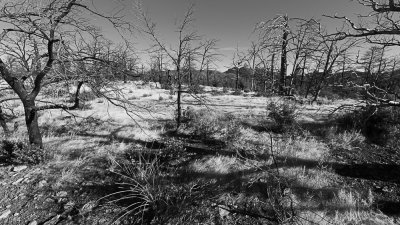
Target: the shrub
(378, 124)
(87, 96)
(215, 92)
(146, 95)
(172, 90)
(231, 131)
(147, 195)
(54, 92)
(196, 89)
(346, 140)
(283, 115)
(237, 92)
(22, 153)
(209, 124)
(202, 123)
(84, 98)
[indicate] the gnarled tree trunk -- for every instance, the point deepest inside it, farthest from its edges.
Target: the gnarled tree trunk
(32, 124)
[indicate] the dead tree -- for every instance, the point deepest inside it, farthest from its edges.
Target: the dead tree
(44, 25)
(186, 39)
(208, 55)
(379, 26)
(237, 60)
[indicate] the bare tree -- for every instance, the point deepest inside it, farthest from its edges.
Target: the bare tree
(237, 60)
(331, 50)
(44, 27)
(379, 26)
(177, 54)
(208, 55)
(251, 58)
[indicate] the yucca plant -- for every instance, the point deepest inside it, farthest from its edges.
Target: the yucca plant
(138, 189)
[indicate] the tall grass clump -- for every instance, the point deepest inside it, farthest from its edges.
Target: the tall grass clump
(147, 194)
(283, 116)
(208, 124)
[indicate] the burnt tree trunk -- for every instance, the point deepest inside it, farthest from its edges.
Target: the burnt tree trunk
(324, 74)
(32, 124)
(283, 61)
(272, 73)
(303, 72)
(237, 78)
(208, 76)
(178, 100)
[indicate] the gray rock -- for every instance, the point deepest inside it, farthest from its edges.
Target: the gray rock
(19, 168)
(42, 183)
(5, 214)
(33, 223)
(69, 205)
(53, 220)
(18, 181)
(223, 211)
(88, 207)
(62, 194)
(49, 200)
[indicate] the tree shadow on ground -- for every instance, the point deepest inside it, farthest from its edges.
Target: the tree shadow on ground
(371, 171)
(390, 208)
(237, 182)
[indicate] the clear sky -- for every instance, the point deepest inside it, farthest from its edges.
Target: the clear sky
(232, 21)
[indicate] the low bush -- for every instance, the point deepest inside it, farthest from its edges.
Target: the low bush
(237, 92)
(379, 125)
(21, 153)
(283, 116)
(54, 92)
(346, 140)
(84, 99)
(209, 124)
(203, 123)
(196, 89)
(146, 95)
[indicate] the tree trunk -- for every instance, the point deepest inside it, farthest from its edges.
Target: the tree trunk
(324, 74)
(303, 72)
(178, 100)
(272, 72)
(208, 76)
(343, 69)
(237, 78)
(283, 61)
(169, 78)
(32, 124)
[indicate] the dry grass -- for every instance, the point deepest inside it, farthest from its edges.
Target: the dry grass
(96, 140)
